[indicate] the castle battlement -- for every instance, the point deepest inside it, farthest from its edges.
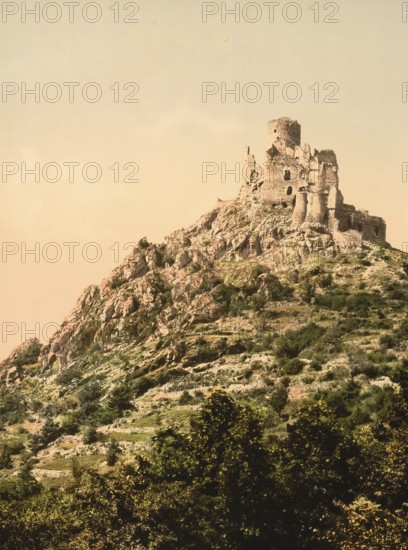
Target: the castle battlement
(307, 183)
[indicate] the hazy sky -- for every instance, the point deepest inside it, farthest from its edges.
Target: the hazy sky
(171, 131)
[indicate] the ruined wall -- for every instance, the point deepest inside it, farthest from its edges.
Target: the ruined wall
(308, 184)
(328, 176)
(283, 177)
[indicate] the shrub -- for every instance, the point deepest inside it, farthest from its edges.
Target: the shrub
(12, 407)
(332, 301)
(113, 452)
(292, 342)
(143, 243)
(5, 457)
(402, 331)
(142, 385)
(361, 301)
(116, 282)
(185, 398)
(388, 341)
(326, 281)
(229, 298)
(120, 399)
(381, 356)
(49, 433)
(90, 435)
(69, 425)
(315, 366)
(294, 366)
(278, 398)
(307, 293)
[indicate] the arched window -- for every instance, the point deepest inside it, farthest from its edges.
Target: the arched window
(286, 175)
(289, 190)
(376, 231)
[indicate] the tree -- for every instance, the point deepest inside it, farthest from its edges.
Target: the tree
(5, 457)
(113, 452)
(316, 465)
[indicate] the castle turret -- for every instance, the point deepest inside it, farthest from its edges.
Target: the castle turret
(316, 208)
(284, 130)
(300, 210)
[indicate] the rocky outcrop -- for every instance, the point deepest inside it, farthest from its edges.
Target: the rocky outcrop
(160, 288)
(12, 369)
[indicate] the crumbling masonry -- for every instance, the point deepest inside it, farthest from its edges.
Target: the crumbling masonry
(307, 184)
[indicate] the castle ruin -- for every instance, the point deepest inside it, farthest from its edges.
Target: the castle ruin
(307, 184)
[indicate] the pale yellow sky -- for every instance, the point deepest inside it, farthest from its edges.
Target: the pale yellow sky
(170, 132)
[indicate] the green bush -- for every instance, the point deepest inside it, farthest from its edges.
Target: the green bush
(315, 366)
(113, 452)
(143, 243)
(5, 457)
(48, 433)
(293, 366)
(331, 301)
(402, 331)
(279, 398)
(90, 435)
(12, 407)
(292, 342)
(361, 301)
(117, 282)
(388, 341)
(120, 399)
(15, 446)
(185, 398)
(142, 385)
(70, 424)
(326, 281)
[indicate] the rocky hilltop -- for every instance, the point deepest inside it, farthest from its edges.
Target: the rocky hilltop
(251, 298)
(163, 288)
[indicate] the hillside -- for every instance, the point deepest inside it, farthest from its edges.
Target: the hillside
(276, 316)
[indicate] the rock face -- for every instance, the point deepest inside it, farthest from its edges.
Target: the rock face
(25, 354)
(295, 212)
(308, 185)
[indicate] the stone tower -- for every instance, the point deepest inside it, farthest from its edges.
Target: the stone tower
(286, 130)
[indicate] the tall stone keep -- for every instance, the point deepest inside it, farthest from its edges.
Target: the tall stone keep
(284, 130)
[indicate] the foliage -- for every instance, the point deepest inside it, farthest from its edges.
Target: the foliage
(292, 342)
(225, 485)
(113, 452)
(90, 435)
(48, 433)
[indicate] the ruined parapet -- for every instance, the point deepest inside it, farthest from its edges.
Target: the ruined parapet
(328, 156)
(284, 130)
(300, 210)
(328, 176)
